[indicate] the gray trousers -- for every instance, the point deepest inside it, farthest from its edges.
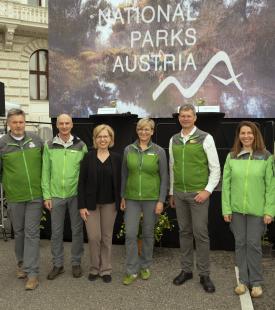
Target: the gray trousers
(100, 225)
(132, 215)
(25, 218)
(57, 218)
(193, 223)
(248, 230)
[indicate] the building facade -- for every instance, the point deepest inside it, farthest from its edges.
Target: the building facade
(24, 55)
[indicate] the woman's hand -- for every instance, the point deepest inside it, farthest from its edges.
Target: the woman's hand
(172, 201)
(159, 208)
(48, 204)
(267, 219)
(122, 204)
(84, 213)
(227, 218)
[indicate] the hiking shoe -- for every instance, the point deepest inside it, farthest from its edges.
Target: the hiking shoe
(76, 271)
(31, 283)
(107, 278)
(207, 284)
(183, 277)
(129, 279)
(240, 289)
(145, 274)
(92, 277)
(56, 271)
(256, 291)
(20, 273)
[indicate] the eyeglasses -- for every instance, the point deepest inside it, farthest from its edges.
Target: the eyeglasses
(102, 137)
(144, 130)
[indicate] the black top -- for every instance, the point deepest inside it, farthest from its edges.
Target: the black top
(88, 179)
(105, 187)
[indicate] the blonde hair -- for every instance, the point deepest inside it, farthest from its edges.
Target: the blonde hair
(145, 122)
(97, 130)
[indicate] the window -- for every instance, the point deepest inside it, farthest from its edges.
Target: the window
(39, 75)
(43, 3)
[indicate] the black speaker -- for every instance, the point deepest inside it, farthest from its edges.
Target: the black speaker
(2, 99)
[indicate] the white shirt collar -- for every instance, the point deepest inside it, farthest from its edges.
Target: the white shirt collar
(190, 134)
(17, 138)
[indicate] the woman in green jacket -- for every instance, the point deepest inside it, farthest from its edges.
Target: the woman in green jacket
(248, 187)
(143, 191)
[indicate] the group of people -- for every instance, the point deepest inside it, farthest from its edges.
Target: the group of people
(94, 185)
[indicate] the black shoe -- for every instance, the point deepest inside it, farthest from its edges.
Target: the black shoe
(107, 278)
(182, 277)
(207, 284)
(76, 271)
(93, 277)
(56, 271)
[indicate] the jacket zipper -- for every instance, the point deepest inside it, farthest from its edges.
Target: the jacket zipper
(25, 163)
(140, 167)
(27, 172)
(246, 184)
(63, 174)
(183, 156)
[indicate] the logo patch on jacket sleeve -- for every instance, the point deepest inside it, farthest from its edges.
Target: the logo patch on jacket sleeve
(31, 144)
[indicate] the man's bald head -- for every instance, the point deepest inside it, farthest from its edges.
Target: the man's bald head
(64, 124)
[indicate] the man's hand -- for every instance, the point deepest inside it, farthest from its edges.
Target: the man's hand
(227, 218)
(202, 196)
(48, 204)
(267, 219)
(84, 213)
(159, 207)
(172, 201)
(122, 204)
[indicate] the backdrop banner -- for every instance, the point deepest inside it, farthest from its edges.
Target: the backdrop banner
(148, 57)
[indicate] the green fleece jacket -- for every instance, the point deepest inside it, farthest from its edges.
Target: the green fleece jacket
(144, 173)
(61, 167)
(20, 164)
(190, 163)
(248, 184)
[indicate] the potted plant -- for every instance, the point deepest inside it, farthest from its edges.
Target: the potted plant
(266, 246)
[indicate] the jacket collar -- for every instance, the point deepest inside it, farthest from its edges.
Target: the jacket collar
(137, 146)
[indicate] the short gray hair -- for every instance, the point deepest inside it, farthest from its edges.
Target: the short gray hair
(188, 107)
(13, 112)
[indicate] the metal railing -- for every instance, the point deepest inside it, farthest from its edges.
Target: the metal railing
(23, 13)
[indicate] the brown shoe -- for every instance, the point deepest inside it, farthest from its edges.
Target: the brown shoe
(31, 284)
(56, 271)
(76, 271)
(20, 273)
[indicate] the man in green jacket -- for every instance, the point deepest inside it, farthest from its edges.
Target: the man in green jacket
(194, 173)
(61, 164)
(20, 162)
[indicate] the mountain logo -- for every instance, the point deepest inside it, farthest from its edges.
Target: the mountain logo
(192, 90)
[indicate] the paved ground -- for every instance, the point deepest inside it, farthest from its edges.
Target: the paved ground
(156, 293)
